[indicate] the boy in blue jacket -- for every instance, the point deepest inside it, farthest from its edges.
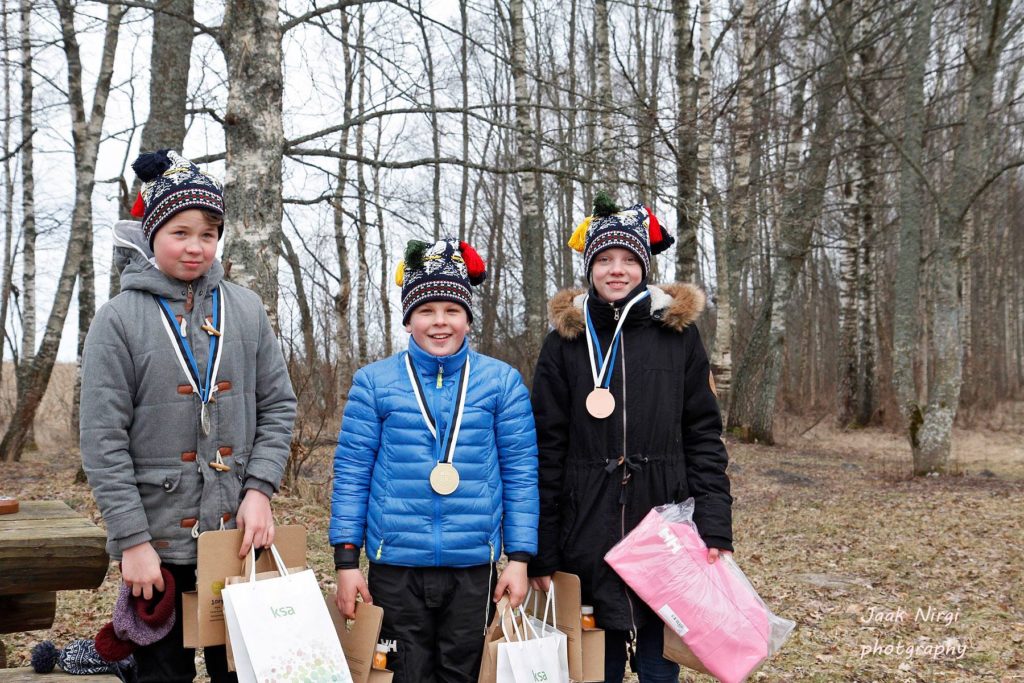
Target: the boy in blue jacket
(436, 471)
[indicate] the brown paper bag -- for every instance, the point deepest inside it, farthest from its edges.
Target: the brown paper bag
(202, 610)
(493, 636)
(585, 646)
(358, 638)
(675, 650)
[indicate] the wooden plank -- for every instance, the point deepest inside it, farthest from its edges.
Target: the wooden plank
(29, 612)
(47, 546)
(27, 675)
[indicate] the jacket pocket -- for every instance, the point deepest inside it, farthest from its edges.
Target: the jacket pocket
(159, 489)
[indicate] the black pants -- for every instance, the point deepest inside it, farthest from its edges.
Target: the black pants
(436, 617)
(167, 660)
(651, 666)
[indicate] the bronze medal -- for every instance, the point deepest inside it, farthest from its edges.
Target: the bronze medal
(600, 403)
(444, 478)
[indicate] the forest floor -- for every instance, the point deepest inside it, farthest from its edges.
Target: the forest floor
(888, 577)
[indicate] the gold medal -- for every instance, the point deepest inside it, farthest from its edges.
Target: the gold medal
(444, 478)
(600, 403)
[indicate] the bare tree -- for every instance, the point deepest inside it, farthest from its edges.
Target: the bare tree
(86, 134)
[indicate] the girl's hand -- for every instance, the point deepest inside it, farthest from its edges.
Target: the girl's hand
(514, 582)
(256, 521)
(140, 570)
(715, 553)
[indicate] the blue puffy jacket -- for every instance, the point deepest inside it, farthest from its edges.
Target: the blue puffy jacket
(385, 455)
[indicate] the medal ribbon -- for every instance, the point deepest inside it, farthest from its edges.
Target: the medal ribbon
(603, 379)
(200, 385)
(455, 423)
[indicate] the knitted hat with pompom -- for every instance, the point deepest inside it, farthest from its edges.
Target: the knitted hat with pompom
(443, 271)
(171, 183)
(635, 229)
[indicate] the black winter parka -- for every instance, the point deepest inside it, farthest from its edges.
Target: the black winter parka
(662, 444)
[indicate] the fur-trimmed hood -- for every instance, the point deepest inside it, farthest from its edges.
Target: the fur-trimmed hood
(676, 305)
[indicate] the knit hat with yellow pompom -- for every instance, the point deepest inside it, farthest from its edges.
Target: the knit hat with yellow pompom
(635, 229)
(443, 271)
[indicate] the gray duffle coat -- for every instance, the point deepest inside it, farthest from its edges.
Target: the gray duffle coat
(143, 449)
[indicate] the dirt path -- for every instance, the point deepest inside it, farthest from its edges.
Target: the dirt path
(888, 578)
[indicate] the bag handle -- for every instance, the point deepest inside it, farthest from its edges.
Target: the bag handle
(521, 636)
(251, 560)
(549, 606)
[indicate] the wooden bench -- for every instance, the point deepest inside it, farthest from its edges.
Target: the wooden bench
(26, 674)
(45, 547)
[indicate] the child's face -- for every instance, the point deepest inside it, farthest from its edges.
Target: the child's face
(438, 327)
(186, 245)
(615, 273)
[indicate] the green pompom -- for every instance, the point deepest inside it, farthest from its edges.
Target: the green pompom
(604, 205)
(414, 251)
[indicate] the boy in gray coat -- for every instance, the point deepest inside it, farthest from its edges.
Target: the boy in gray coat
(187, 408)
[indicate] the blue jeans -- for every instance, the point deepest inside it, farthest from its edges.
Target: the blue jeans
(651, 666)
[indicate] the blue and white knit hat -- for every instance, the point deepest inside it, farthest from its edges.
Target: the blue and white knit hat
(635, 229)
(171, 183)
(443, 271)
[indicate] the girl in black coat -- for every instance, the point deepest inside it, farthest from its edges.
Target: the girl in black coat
(615, 443)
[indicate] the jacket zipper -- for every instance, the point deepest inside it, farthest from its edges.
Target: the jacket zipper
(189, 298)
(615, 311)
(625, 469)
(440, 376)
(380, 548)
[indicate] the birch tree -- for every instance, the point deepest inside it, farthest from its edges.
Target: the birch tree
(86, 136)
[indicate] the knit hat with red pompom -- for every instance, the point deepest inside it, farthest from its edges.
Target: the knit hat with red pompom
(443, 271)
(171, 183)
(635, 229)
(137, 621)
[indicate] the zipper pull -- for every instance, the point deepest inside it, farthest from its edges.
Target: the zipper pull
(616, 311)
(190, 299)
(440, 376)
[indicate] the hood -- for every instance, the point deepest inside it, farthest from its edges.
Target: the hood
(675, 306)
(137, 265)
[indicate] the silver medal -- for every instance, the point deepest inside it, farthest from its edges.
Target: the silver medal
(204, 420)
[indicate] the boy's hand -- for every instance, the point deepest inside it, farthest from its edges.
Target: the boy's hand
(715, 553)
(256, 520)
(514, 582)
(140, 570)
(541, 583)
(351, 582)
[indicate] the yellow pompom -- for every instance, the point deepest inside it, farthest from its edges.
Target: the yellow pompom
(400, 273)
(579, 236)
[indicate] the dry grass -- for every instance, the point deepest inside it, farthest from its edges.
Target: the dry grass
(830, 529)
(53, 419)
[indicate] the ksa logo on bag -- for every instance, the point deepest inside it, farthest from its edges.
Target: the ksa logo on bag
(284, 611)
(539, 675)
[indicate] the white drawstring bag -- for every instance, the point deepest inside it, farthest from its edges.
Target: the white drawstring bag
(280, 629)
(528, 657)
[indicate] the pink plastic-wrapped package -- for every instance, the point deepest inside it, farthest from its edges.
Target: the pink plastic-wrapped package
(712, 607)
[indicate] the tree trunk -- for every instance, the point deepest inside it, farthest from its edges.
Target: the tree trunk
(363, 281)
(848, 278)
(86, 136)
(934, 446)
(435, 128)
(531, 228)
(250, 38)
(343, 299)
(731, 248)
(757, 377)
(607, 169)
(8, 181)
(687, 211)
(906, 321)
(28, 214)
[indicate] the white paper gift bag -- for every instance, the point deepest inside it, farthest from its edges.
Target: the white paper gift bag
(546, 626)
(280, 630)
(529, 657)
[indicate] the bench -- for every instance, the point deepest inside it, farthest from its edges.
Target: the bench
(26, 674)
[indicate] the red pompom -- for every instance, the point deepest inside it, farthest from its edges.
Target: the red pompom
(475, 266)
(653, 227)
(139, 208)
(110, 647)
